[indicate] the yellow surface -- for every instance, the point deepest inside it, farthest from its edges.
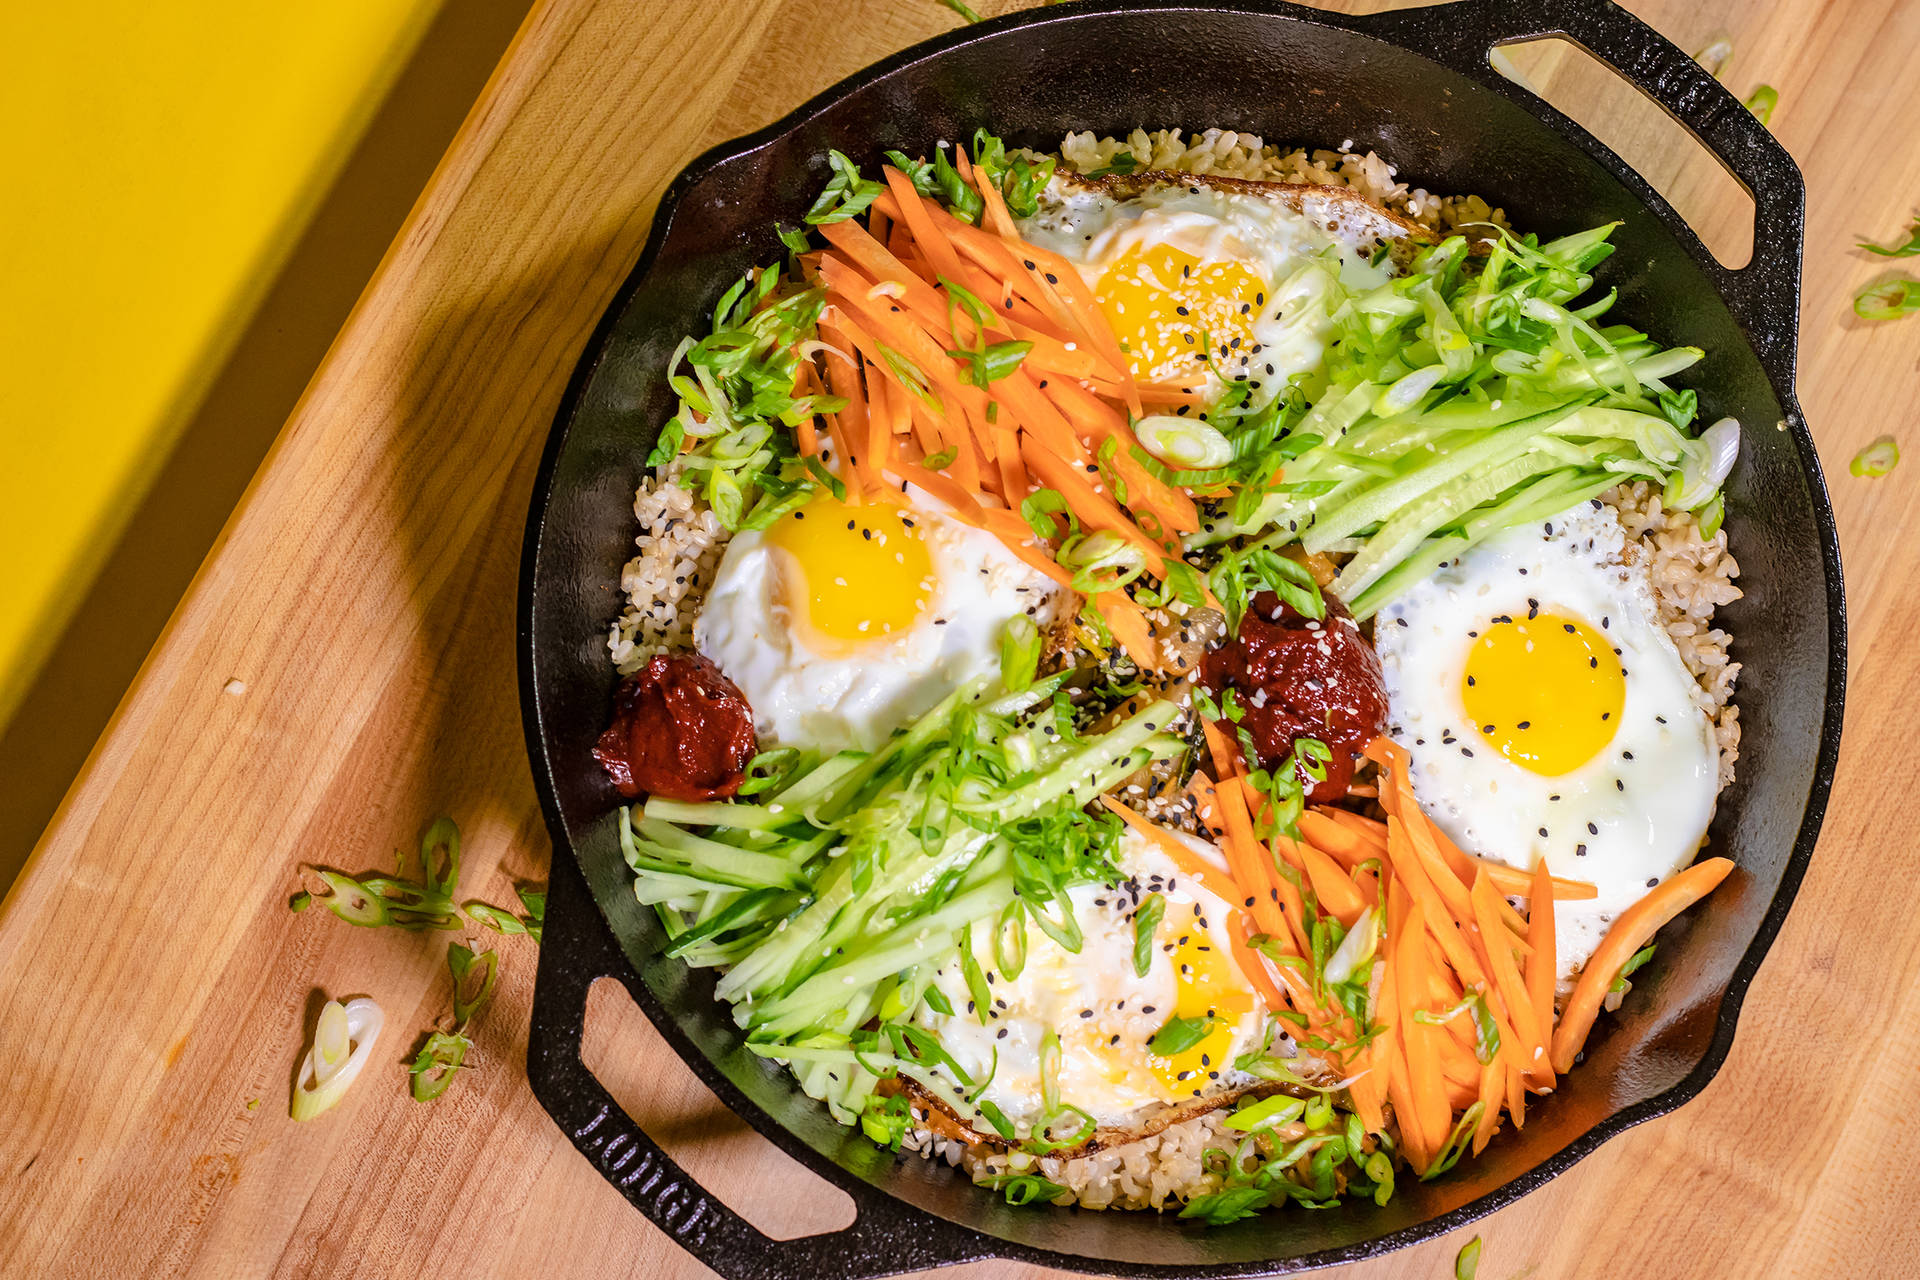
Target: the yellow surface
(156, 163)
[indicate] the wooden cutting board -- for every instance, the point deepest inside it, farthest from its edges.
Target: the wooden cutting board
(342, 671)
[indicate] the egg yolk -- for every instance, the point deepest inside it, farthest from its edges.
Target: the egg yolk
(1545, 692)
(1206, 986)
(1165, 304)
(852, 575)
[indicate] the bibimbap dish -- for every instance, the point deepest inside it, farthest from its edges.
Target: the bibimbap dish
(1173, 674)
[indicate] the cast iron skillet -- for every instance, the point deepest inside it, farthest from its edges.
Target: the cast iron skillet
(1415, 86)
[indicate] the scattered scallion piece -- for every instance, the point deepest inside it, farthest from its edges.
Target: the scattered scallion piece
(532, 901)
(1888, 300)
(1716, 54)
(374, 901)
(1019, 653)
(1877, 459)
(1023, 1188)
(343, 1041)
(1145, 921)
(1466, 1265)
(1222, 1207)
(1762, 101)
(445, 1052)
(1179, 1035)
(959, 7)
(438, 1061)
(1910, 247)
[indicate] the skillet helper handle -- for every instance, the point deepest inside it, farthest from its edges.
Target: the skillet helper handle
(1765, 294)
(886, 1238)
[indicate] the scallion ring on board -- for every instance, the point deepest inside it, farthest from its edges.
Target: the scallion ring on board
(353, 1026)
(1877, 459)
(1888, 300)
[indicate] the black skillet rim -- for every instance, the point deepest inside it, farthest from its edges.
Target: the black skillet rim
(1774, 350)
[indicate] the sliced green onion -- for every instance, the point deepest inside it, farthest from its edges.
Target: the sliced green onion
(1186, 443)
(352, 901)
(1219, 1208)
(1024, 1188)
(1888, 300)
(1179, 1035)
(1877, 459)
(1101, 561)
(1762, 101)
(1355, 949)
(1268, 1113)
(440, 857)
(1019, 653)
(473, 980)
(1634, 961)
(331, 1044)
(1466, 1265)
(435, 1066)
(356, 1024)
(1910, 247)
(1145, 921)
(493, 917)
(960, 8)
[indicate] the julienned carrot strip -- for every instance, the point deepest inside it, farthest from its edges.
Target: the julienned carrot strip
(1095, 421)
(1189, 862)
(1243, 855)
(1013, 470)
(1542, 965)
(1450, 854)
(1017, 537)
(995, 215)
(1036, 415)
(879, 263)
(1509, 880)
(1368, 1089)
(1497, 951)
(1633, 930)
(1336, 892)
(805, 437)
(1424, 1080)
(1492, 1078)
(899, 330)
(1045, 278)
(881, 414)
(1358, 823)
(1226, 756)
(1129, 627)
(1344, 846)
(1420, 840)
(1251, 962)
(911, 211)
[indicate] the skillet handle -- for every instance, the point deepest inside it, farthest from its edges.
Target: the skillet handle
(1765, 294)
(886, 1238)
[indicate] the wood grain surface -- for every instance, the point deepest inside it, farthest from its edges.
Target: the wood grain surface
(154, 987)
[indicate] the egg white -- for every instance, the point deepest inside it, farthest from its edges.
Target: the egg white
(1628, 818)
(1297, 252)
(831, 701)
(1104, 1054)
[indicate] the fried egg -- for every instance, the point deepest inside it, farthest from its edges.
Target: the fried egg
(842, 623)
(1104, 1012)
(1549, 715)
(1178, 265)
